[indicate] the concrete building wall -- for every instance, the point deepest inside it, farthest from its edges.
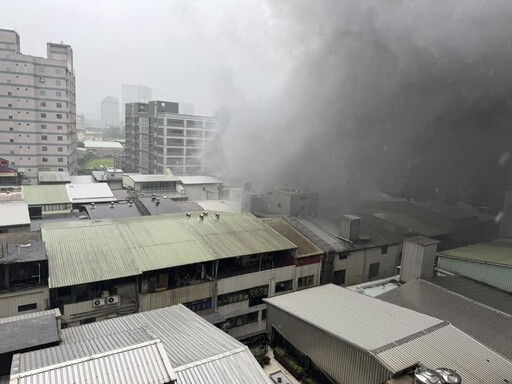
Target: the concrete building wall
(37, 108)
(343, 362)
(176, 296)
(418, 261)
(196, 192)
(10, 302)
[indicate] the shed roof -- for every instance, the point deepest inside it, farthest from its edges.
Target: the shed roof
(495, 252)
(487, 325)
(198, 352)
(53, 177)
(86, 193)
(357, 319)
(14, 213)
(189, 180)
(28, 333)
(102, 144)
(150, 178)
(45, 194)
(83, 252)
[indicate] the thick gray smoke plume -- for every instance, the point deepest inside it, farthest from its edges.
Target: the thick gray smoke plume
(409, 97)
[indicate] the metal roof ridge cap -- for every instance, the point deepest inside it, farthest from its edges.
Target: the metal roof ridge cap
(468, 299)
(212, 358)
(84, 359)
(441, 254)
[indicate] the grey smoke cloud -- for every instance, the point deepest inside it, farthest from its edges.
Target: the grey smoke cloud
(413, 97)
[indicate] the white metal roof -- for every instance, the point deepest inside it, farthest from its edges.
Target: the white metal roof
(53, 177)
(198, 352)
(149, 178)
(103, 144)
(141, 364)
(354, 318)
(14, 213)
(187, 180)
(94, 192)
(452, 348)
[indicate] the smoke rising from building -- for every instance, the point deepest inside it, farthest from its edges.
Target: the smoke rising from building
(410, 97)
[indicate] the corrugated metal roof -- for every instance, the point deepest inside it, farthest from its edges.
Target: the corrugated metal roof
(94, 192)
(489, 326)
(151, 178)
(141, 363)
(354, 318)
(14, 213)
(305, 247)
(188, 180)
(82, 252)
(198, 351)
(11, 196)
(450, 347)
(102, 144)
(497, 252)
(53, 177)
(31, 315)
(230, 206)
(45, 194)
(476, 291)
(189, 206)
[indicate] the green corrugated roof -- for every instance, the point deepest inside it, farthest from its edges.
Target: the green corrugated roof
(83, 252)
(497, 251)
(45, 194)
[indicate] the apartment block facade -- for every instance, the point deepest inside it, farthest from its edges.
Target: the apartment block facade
(159, 137)
(37, 108)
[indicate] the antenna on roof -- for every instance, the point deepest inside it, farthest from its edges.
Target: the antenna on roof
(188, 215)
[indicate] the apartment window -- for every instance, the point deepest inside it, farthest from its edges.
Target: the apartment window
(59, 105)
(306, 281)
(43, 126)
(12, 153)
(374, 271)
(45, 159)
(41, 80)
(11, 129)
(59, 93)
(175, 123)
(58, 71)
(43, 104)
(199, 305)
(59, 127)
(59, 138)
(40, 69)
(9, 105)
(44, 149)
(11, 140)
(242, 320)
(9, 93)
(10, 117)
(194, 124)
(284, 286)
(61, 169)
(60, 149)
(59, 116)
(60, 159)
(160, 121)
(384, 250)
(58, 82)
(43, 115)
(44, 137)
(339, 277)
(27, 307)
(42, 92)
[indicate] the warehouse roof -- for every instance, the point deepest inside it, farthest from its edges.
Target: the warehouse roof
(197, 351)
(189, 180)
(397, 337)
(14, 213)
(102, 144)
(341, 312)
(88, 193)
(53, 177)
(45, 194)
(487, 325)
(476, 291)
(83, 252)
(494, 252)
(105, 211)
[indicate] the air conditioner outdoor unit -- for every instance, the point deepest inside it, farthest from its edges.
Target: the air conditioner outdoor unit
(98, 302)
(113, 299)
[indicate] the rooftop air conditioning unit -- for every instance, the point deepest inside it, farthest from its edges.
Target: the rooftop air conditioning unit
(113, 300)
(99, 302)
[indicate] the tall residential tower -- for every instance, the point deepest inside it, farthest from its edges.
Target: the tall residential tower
(37, 107)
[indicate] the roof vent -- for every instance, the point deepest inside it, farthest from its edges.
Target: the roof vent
(205, 213)
(201, 217)
(217, 215)
(188, 215)
(157, 202)
(449, 375)
(93, 205)
(130, 203)
(112, 204)
(153, 197)
(427, 376)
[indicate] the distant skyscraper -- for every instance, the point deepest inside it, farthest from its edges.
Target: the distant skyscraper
(37, 108)
(110, 112)
(134, 93)
(80, 122)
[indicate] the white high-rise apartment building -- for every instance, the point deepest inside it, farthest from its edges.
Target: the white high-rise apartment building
(134, 93)
(37, 107)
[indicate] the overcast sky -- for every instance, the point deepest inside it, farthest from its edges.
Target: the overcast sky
(200, 51)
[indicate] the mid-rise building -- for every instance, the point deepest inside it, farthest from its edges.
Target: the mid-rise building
(37, 108)
(109, 112)
(158, 137)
